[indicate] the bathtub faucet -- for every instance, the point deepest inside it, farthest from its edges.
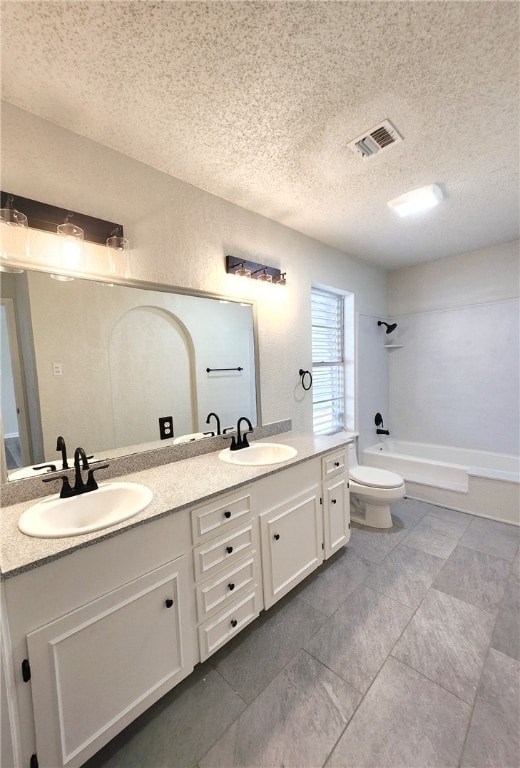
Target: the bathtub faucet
(378, 421)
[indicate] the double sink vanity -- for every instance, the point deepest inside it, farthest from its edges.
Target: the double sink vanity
(98, 626)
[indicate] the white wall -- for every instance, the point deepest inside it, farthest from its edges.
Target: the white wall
(372, 379)
(180, 236)
(456, 379)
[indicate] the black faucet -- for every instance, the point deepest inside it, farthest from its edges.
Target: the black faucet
(80, 463)
(379, 423)
(216, 419)
(241, 439)
(60, 446)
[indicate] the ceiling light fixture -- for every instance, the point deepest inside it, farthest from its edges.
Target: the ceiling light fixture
(417, 200)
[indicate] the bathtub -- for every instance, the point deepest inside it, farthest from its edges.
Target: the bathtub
(485, 484)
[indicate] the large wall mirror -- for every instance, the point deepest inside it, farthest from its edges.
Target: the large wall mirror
(102, 364)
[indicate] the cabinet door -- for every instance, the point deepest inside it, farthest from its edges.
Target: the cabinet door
(336, 514)
(292, 536)
(97, 668)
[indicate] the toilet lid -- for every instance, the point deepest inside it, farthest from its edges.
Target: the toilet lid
(376, 478)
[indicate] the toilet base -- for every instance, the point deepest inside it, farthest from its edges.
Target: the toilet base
(372, 515)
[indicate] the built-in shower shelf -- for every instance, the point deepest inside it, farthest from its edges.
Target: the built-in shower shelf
(393, 346)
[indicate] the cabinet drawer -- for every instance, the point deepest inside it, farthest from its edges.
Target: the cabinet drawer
(217, 631)
(223, 513)
(218, 553)
(334, 464)
(218, 592)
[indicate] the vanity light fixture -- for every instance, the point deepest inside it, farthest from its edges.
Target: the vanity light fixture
(262, 275)
(243, 268)
(116, 239)
(72, 255)
(68, 251)
(13, 234)
(417, 200)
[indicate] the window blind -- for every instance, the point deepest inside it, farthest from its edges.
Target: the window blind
(327, 361)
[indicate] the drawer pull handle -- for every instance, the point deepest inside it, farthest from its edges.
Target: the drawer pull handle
(231, 587)
(333, 501)
(276, 536)
(168, 603)
(227, 514)
(229, 550)
(234, 622)
(336, 463)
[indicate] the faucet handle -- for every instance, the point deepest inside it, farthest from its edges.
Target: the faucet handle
(233, 445)
(245, 443)
(66, 490)
(91, 484)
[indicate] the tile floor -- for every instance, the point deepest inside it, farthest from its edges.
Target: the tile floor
(402, 650)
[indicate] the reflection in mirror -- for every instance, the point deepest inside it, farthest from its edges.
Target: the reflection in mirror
(117, 369)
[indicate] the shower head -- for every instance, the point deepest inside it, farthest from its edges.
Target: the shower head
(389, 328)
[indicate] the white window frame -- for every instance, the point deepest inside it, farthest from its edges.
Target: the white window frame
(328, 360)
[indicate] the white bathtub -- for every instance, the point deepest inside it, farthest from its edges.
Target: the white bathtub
(486, 484)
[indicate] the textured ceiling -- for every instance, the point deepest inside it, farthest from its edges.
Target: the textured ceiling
(256, 102)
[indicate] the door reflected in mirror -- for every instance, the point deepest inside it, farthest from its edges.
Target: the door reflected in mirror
(118, 369)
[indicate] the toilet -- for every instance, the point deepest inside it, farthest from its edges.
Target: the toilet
(371, 492)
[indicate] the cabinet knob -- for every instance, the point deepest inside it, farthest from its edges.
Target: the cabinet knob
(229, 550)
(227, 514)
(336, 463)
(231, 587)
(276, 536)
(234, 622)
(333, 501)
(168, 603)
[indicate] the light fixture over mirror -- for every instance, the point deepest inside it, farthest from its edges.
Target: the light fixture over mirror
(65, 254)
(13, 236)
(71, 253)
(261, 272)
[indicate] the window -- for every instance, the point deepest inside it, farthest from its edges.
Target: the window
(328, 354)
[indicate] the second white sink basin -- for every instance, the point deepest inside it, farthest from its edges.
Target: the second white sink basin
(111, 503)
(259, 454)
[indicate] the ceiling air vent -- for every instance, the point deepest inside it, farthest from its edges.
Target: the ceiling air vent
(374, 141)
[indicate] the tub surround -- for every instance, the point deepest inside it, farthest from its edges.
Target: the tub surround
(173, 490)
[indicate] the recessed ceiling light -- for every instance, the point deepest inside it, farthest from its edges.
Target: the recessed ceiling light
(417, 200)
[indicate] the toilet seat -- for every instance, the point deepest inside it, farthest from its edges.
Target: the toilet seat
(375, 478)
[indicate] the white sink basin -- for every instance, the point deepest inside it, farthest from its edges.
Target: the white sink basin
(259, 454)
(111, 503)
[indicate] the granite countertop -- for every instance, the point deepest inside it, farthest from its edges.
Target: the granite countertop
(175, 487)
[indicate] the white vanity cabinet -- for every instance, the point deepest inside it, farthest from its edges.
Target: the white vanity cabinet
(336, 501)
(305, 519)
(226, 561)
(99, 636)
(96, 668)
(292, 536)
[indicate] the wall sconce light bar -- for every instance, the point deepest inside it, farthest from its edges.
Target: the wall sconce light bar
(237, 266)
(48, 217)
